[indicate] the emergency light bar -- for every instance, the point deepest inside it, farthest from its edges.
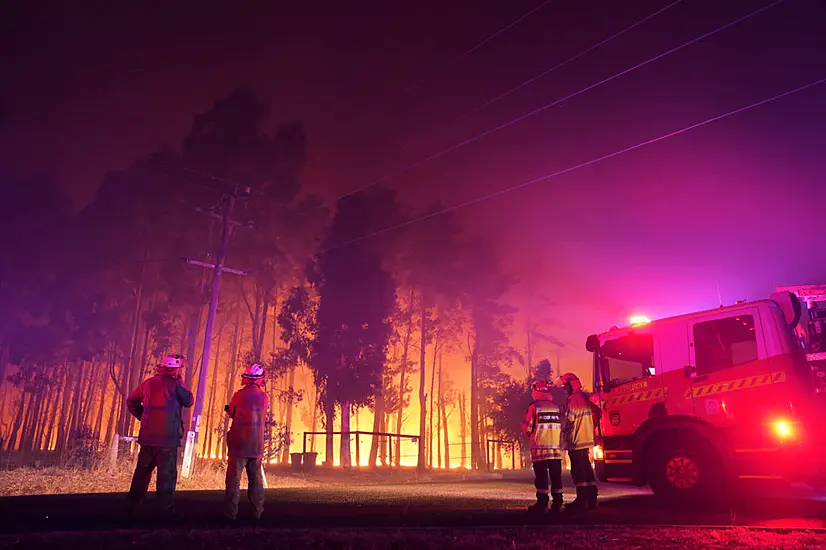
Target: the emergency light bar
(637, 320)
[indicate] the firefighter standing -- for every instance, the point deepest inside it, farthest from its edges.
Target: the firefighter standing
(578, 432)
(543, 424)
(157, 404)
(245, 442)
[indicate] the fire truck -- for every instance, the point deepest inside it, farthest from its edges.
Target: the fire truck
(693, 404)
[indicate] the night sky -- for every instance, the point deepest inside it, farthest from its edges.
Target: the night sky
(380, 85)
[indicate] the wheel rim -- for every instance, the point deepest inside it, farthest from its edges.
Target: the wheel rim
(682, 472)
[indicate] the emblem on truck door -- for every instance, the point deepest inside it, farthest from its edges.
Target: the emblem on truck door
(615, 418)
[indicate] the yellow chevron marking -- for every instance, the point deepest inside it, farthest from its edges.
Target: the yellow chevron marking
(735, 385)
(646, 395)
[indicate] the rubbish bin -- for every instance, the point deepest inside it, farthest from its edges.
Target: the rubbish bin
(309, 461)
(295, 461)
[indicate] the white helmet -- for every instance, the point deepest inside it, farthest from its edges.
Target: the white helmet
(173, 361)
(569, 381)
(253, 372)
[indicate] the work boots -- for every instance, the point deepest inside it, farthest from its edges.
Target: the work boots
(540, 506)
(586, 499)
(556, 503)
(592, 493)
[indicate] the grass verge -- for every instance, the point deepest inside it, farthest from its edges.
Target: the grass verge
(64, 481)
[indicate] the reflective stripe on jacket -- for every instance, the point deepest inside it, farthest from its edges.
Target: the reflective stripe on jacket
(248, 410)
(544, 425)
(579, 424)
(157, 403)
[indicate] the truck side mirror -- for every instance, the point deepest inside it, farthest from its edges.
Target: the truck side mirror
(592, 343)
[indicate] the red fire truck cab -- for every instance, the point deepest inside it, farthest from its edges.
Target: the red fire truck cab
(693, 403)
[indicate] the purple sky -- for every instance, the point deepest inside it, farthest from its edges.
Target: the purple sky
(89, 89)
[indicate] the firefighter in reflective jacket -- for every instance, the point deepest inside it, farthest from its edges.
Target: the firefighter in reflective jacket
(578, 434)
(544, 426)
(157, 404)
(245, 442)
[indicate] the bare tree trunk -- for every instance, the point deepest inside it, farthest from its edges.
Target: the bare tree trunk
(282, 405)
(289, 422)
(77, 398)
(210, 420)
(475, 458)
(29, 422)
(39, 418)
(56, 398)
(329, 416)
(259, 320)
(21, 444)
(18, 420)
(90, 388)
(62, 425)
(463, 426)
(420, 462)
(213, 395)
(101, 400)
(140, 360)
(385, 442)
(529, 348)
(231, 369)
(314, 427)
(103, 386)
(447, 435)
(379, 421)
(378, 415)
(432, 391)
(117, 397)
(193, 331)
(125, 418)
(45, 416)
(345, 435)
(402, 379)
(358, 447)
(439, 412)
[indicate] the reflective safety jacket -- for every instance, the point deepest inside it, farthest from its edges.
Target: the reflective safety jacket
(248, 410)
(543, 423)
(157, 403)
(580, 420)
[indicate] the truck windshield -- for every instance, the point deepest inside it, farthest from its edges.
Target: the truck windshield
(627, 358)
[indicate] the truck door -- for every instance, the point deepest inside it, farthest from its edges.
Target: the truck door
(631, 386)
(728, 370)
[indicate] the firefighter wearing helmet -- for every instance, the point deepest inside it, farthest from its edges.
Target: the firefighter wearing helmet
(543, 424)
(245, 442)
(157, 403)
(578, 430)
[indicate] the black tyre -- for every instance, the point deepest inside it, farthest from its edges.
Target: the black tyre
(684, 469)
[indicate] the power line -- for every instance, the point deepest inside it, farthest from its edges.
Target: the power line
(550, 70)
(547, 106)
(485, 41)
(580, 165)
(484, 105)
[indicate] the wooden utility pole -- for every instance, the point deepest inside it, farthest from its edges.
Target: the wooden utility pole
(190, 449)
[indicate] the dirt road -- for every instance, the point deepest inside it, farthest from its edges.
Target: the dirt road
(355, 503)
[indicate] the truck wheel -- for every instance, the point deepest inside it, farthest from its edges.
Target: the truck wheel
(682, 470)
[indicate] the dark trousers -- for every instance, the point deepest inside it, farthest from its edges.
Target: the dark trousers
(543, 472)
(165, 459)
(255, 493)
(581, 471)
